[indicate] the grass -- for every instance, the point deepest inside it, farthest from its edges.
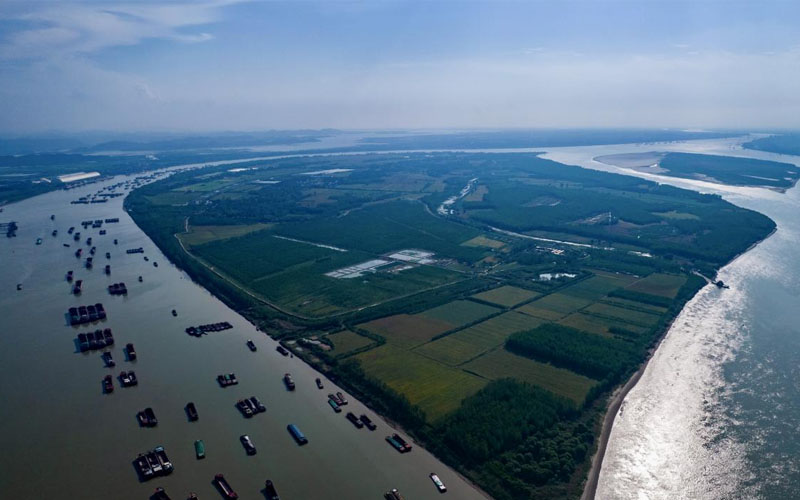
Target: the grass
(506, 296)
(435, 388)
(665, 285)
(199, 235)
(460, 312)
(405, 330)
(347, 341)
(500, 363)
(483, 241)
(466, 344)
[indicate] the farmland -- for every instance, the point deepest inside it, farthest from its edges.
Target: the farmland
(437, 319)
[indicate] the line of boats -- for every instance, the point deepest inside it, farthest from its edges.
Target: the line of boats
(147, 418)
(98, 339)
(196, 331)
(250, 406)
(226, 380)
(118, 288)
(86, 314)
(153, 463)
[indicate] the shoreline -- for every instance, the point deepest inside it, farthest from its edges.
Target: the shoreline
(619, 394)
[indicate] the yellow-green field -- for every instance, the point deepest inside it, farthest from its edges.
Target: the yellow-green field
(198, 235)
(665, 285)
(470, 342)
(406, 330)
(460, 312)
(435, 388)
(506, 296)
(483, 241)
(598, 286)
(561, 303)
(347, 341)
(627, 315)
(500, 363)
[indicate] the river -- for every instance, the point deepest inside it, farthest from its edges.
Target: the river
(64, 438)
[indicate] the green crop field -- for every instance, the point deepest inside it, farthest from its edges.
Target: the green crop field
(199, 235)
(463, 345)
(483, 241)
(598, 286)
(506, 296)
(500, 363)
(347, 341)
(630, 304)
(460, 312)
(540, 312)
(665, 285)
(627, 315)
(435, 388)
(598, 325)
(561, 303)
(405, 330)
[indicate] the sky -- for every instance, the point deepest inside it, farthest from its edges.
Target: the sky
(257, 65)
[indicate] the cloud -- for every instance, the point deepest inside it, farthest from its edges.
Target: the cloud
(49, 30)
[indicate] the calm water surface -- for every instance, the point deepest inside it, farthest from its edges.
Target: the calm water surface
(63, 438)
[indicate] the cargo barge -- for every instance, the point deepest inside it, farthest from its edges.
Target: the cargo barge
(297, 435)
(224, 487)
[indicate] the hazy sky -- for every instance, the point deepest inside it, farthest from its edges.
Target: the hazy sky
(235, 65)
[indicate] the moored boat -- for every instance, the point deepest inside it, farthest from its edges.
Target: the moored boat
(161, 454)
(297, 434)
(269, 491)
(354, 420)
(287, 379)
(342, 399)
(398, 443)
(152, 459)
(244, 407)
(319, 383)
(333, 404)
(249, 447)
(199, 449)
(438, 482)
(251, 345)
(160, 494)
(108, 384)
(368, 423)
(130, 351)
(143, 467)
(282, 350)
(108, 359)
(191, 411)
(258, 406)
(225, 488)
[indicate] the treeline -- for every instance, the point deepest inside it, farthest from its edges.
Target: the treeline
(585, 353)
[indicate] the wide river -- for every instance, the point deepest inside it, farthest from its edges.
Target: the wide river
(63, 438)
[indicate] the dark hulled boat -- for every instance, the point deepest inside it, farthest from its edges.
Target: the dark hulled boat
(108, 384)
(287, 379)
(354, 420)
(249, 447)
(269, 491)
(319, 383)
(251, 345)
(225, 488)
(368, 423)
(191, 412)
(143, 467)
(130, 351)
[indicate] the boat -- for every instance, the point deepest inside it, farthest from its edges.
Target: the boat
(71, 229)
(174, 312)
(152, 459)
(88, 262)
(398, 443)
(200, 449)
(89, 241)
(108, 255)
(269, 491)
(319, 383)
(191, 412)
(155, 264)
(67, 245)
(132, 377)
(69, 276)
(93, 250)
(76, 236)
(192, 496)
(354, 420)
(143, 467)
(115, 241)
(101, 312)
(130, 351)
(38, 241)
(124, 378)
(249, 447)
(368, 423)
(161, 454)
(252, 345)
(77, 287)
(108, 359)
(244, 407)
(335, 406)
(256, 405)
(146, 259)
(160, 494)
(282, 350)
(296, 434)
(393, 494)
(140, 279)
(225, 488)
(287, 379)
(151, 417)
(19, 286)
(342, 399)
(108, 384)
(438, 482)
(78, 253)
